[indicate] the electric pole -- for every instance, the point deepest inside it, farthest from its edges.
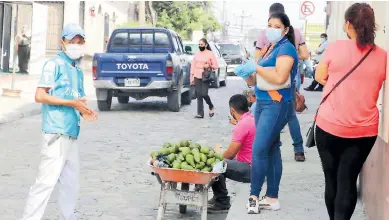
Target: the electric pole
(242, 17)
(224, 19)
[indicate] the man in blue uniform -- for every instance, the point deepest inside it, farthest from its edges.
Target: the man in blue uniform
(61, 92)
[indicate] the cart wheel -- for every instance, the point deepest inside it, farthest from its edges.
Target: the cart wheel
(184, 187)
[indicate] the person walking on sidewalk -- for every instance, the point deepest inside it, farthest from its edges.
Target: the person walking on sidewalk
(277, 66)
(240, 148)
(319, 51)
(301, 47)
(202, 60)
(61, 92)
(345, 138)
(23, 42)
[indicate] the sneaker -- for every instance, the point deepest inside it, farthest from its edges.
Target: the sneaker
(264, 204)
(217, 207)
(212, 201)
(253, 206)
(299, 157)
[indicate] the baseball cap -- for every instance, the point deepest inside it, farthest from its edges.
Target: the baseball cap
(72, 30)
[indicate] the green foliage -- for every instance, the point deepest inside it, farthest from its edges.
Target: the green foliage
(184, 17)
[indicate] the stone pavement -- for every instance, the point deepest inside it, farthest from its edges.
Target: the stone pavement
(115, 180)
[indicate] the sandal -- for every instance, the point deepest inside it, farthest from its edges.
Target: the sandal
(211, 114)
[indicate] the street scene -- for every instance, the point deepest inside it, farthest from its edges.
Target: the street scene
(193, 110)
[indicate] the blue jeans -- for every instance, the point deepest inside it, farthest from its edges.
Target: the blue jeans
(270, 118)
(294, 126)
(308, 68)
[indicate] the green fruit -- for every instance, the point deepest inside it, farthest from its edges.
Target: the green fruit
(198, 145)
(181, 157)
(171, 157)
(204, 150)
(184, 150)
(176, 165)
(166, 145)
(172, 150)
(164, 151)
(154, 154)
(186, 167)
(200, 165)
(184, 143)
(210, 161)
(211, 154)
(190, 159)
(184, 164)
(217, 160)
(206, 169)
(203, 157)
(196, 155)
(219, 156)
(213, 164)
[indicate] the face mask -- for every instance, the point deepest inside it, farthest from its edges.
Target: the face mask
(74, 51)
(273, 34)
(201, 48)
(322, 40)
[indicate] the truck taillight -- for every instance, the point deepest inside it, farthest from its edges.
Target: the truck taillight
(169, 67)
(94, 69)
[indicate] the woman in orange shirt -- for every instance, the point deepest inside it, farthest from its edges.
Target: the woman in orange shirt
(347, 122)
(202, 60)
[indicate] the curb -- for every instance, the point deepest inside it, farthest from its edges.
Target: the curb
(28, 110)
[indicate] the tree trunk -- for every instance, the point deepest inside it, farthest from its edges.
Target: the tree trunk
(151, 12)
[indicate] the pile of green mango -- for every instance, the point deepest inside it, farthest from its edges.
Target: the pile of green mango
(187, 155)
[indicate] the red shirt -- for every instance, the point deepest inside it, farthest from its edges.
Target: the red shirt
(244, 133)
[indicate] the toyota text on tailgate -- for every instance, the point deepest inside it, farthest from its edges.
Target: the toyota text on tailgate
(140, 63)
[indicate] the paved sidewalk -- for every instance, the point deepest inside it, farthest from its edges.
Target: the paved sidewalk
(15, 108)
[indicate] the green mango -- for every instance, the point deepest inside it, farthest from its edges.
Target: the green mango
(213, 164)
(204, 150)
(181, 157)
(171, 157)
(210, 161)
(184, 143)
(172, 150)
(184, 150)
(219, 156)
(200, 165)
(196, 155)
(154, 154)
(203, 157)
(166, 145)
(190, 159)
(198, 145)
(211, 154)
(177, 165)
(217, 160)
(164, 151)
(206, 169)
(185, 166)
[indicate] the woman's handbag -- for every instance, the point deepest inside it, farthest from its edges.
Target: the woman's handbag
(311, 132)
(208, 75)
(300, 103)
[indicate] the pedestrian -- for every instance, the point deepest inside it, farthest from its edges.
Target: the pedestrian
(301, 47)
(23, 47)
(61, 92)
(319, 51)
(250, 95)
(278, 66)
(203, 60)
(347, 121)
(238, 154)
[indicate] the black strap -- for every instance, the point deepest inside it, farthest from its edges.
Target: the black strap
(344, 77)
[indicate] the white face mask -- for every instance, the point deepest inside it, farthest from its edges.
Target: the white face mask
(74, 51)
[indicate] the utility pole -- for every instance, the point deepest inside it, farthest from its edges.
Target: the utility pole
(142, 13)
(224, 19)
(242, 17)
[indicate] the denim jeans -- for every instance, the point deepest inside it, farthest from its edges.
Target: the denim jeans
(237, 171)
(294, 126)
(308, 67)
(270, 118)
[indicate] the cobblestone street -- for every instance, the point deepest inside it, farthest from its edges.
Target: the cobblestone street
(115, 180)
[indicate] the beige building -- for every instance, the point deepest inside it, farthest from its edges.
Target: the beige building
(375, 175)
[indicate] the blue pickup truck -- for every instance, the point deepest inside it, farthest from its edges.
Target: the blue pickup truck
(142, 62)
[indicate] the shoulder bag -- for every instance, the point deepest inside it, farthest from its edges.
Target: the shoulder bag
(311, 132)
(209, 74)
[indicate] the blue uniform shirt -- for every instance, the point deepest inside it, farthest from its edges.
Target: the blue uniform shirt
(282, 48)
(66, 82)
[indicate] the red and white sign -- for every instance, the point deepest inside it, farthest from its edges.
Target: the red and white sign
(307, 8)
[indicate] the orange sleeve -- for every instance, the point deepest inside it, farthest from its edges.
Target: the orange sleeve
(214, 63)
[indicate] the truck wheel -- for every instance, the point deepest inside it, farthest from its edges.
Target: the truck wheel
(224, 83)
(186, 98)
(123, 99)
(174, 100)
(105, 105)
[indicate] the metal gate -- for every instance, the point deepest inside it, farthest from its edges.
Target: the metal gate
(54, 25)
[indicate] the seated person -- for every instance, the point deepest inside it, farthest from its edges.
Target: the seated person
(238, 154)
(250, 95)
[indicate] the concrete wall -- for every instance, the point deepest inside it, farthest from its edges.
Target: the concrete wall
(375, 175)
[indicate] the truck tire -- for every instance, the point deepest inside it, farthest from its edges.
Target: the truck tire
(123, 99)
(186, 97)
(105, 105)
(224, 82)
(174, 100)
